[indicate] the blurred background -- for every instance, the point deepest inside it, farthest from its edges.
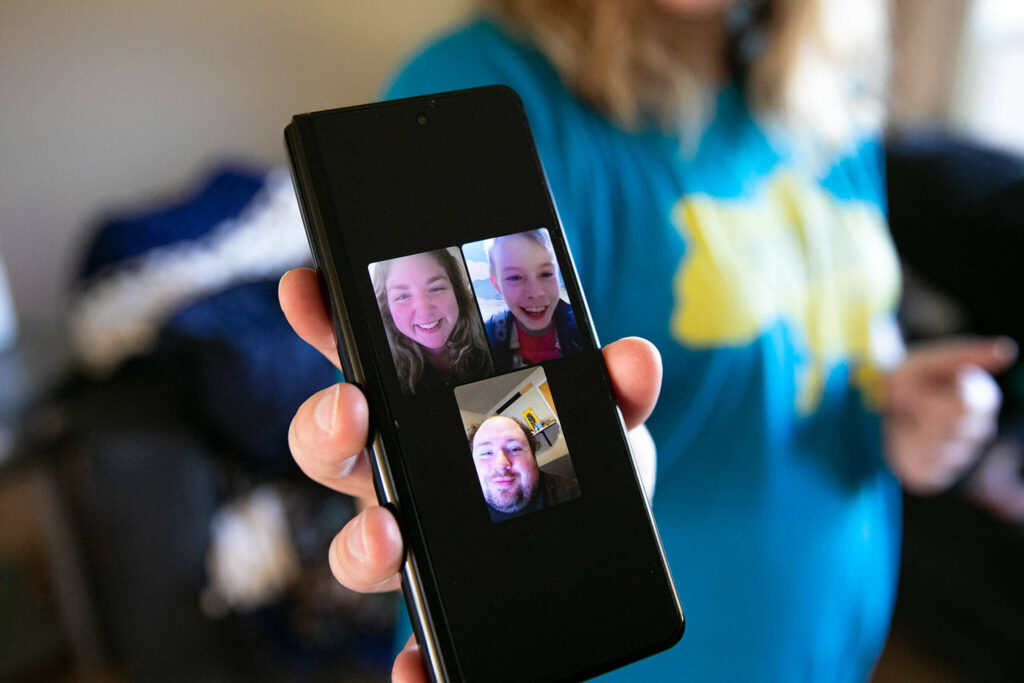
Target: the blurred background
(138, 146)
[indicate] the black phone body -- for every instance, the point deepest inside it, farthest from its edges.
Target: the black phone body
(578, 583)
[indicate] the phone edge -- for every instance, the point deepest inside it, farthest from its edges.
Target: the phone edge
(413, 589)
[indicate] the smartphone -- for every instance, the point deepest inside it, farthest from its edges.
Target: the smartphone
(496, 440)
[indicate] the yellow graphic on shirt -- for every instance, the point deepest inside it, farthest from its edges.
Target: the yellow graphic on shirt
(794, 253)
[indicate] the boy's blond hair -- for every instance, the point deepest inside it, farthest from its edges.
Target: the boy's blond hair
(539, 236)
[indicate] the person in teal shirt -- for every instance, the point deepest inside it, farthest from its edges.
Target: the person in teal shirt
(754, 253)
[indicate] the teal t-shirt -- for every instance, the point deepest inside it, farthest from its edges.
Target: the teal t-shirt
(768, 287)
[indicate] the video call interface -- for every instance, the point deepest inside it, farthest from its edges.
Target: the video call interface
(480, 320)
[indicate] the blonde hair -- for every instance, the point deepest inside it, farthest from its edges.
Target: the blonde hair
(539, 236)
(815, 67)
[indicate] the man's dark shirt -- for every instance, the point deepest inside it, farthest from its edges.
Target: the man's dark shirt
(551, 490)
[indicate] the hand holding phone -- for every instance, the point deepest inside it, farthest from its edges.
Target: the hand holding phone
(329, 430)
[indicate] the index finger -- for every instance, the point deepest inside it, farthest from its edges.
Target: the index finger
(303, 306)
(944, 359)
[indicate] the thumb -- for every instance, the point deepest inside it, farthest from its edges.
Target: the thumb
(943, 361)
(634, 366)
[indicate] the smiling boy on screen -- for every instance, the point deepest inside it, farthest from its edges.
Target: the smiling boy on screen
(538, 325)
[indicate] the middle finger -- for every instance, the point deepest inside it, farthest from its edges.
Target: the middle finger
(327, 437)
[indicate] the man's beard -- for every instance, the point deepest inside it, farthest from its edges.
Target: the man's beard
(520, 501)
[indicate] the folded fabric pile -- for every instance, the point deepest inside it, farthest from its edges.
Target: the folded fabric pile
(140, 269)
(192, 287)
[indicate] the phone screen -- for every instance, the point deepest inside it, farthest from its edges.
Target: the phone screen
(482, 319)
(485, 379)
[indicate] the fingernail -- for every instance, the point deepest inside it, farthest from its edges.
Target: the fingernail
(1006, 348)
(326, 409)
(356, 540)
(346, 466)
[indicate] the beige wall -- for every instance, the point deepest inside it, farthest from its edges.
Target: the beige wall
(112, 101)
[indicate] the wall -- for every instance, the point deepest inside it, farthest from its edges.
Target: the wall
(988, 94)
(531, 400)
(110, 102)
(534, 399)
(469, 418)
(926, 41)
